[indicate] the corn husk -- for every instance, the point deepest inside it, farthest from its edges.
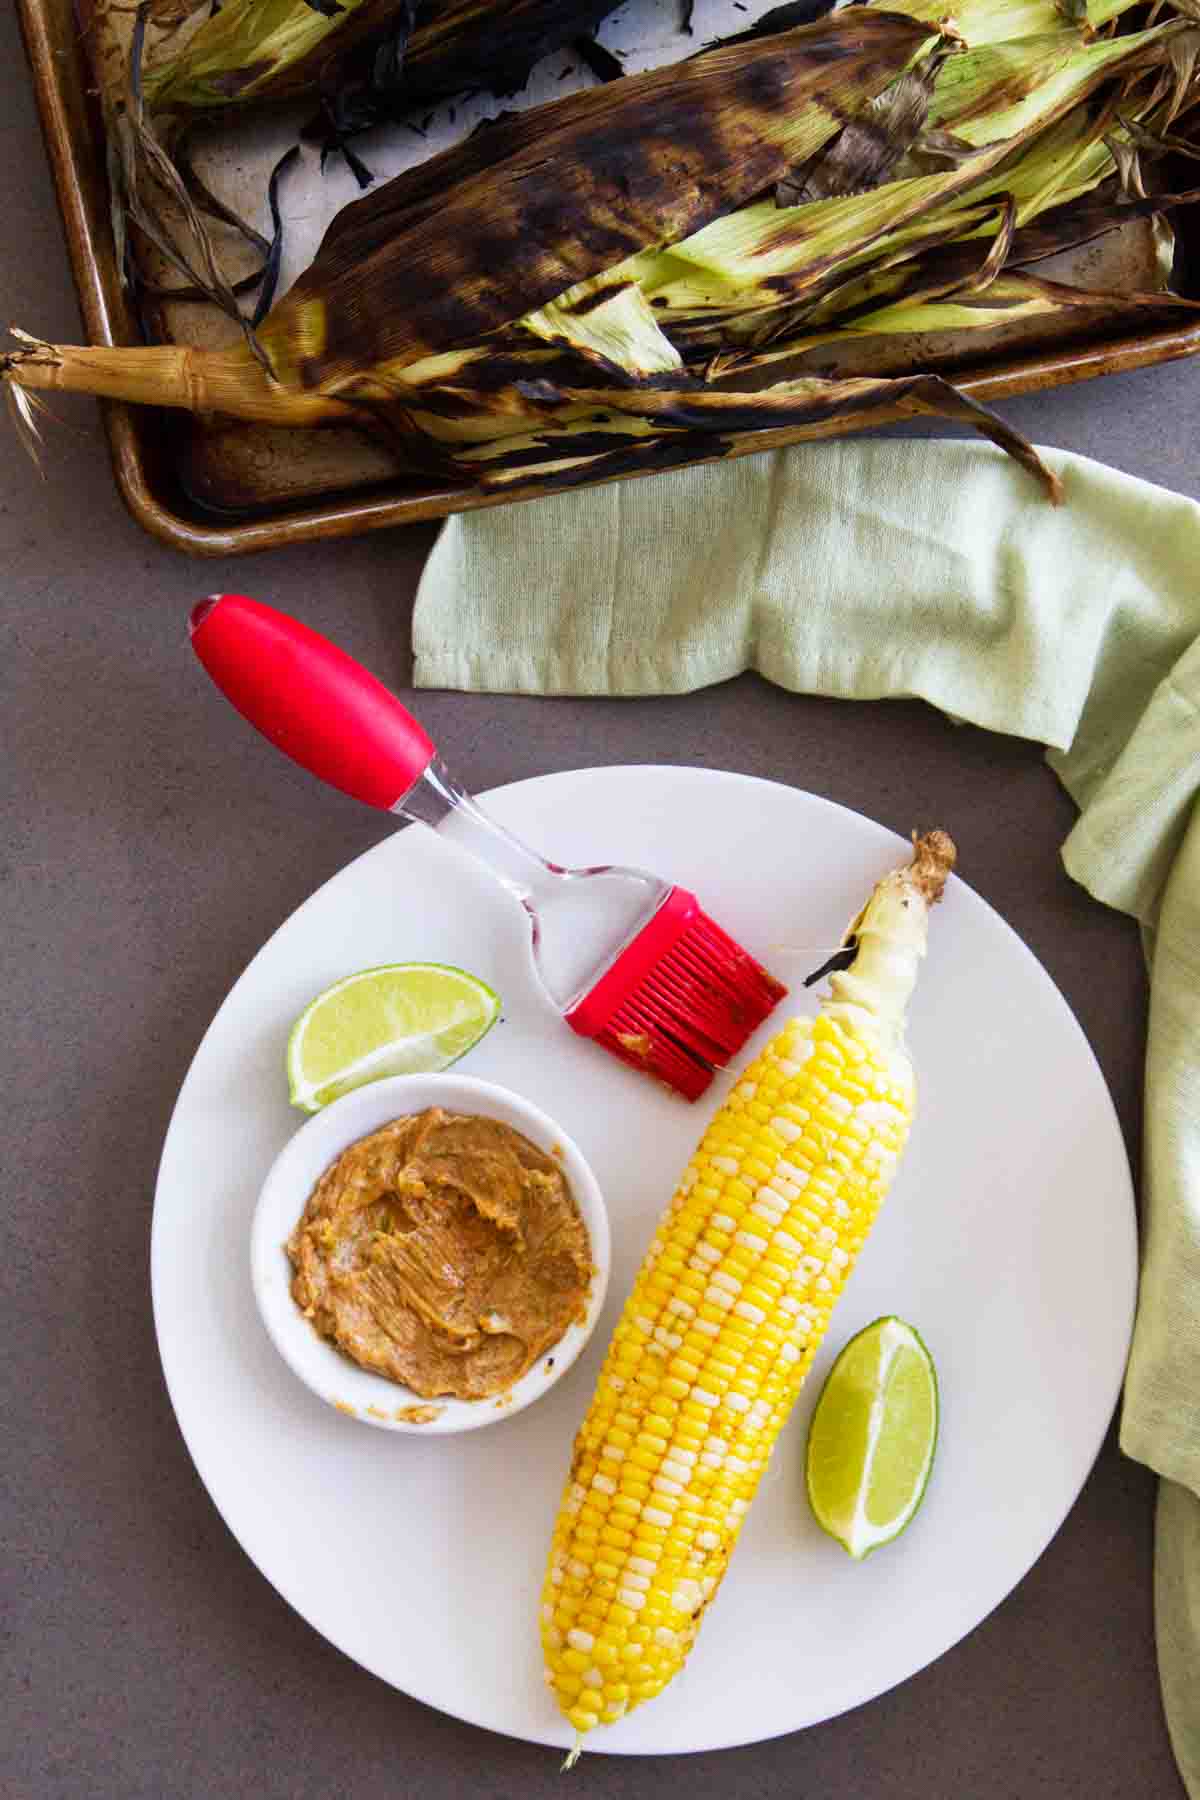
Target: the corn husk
(751, 276)
(608, 284)
(360, 62)
(369, 60)
(255, 50)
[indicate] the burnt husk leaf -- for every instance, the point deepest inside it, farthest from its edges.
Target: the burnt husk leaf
(865, 152)
(270, 274)
(601, 61)
(793, 405)
(833, 965)
(781, 18)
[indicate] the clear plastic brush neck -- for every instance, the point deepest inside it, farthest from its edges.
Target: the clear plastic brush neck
(436, 796)
(580, 919)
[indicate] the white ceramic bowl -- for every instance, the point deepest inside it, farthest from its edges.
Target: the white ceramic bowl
(294, 1174)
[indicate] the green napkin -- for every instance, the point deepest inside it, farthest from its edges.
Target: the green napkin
(872, 569)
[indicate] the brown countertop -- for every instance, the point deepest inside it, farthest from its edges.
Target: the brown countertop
(148, 849)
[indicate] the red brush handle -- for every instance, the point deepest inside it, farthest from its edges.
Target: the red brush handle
(310, 699)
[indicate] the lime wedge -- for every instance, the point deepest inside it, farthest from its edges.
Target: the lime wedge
(399, 1019)
(872, 1437)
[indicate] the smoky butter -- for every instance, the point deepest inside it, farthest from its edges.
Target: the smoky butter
(445, 1252)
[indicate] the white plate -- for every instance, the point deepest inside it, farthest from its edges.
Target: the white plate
(1008, 1240)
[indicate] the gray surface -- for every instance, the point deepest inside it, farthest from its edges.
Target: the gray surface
(149, 846)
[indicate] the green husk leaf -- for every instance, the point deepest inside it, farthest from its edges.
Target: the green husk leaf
(980, 22)
(250, 50)
(1074, 11)
(615, 327)
(1016, 295)
(942, 291)
(1002, 90)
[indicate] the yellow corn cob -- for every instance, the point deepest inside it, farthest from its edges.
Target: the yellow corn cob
(726, 1315)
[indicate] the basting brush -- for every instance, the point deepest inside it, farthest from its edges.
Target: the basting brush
(628, 959)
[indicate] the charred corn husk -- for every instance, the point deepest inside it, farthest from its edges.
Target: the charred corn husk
(369, 60)
(360, 63)
(725, 1317)
(609, 282)
(256, 50)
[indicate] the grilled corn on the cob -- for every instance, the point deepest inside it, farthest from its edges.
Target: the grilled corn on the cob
(726, 1315)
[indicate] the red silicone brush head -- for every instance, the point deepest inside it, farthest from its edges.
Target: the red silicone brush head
(680, 1000)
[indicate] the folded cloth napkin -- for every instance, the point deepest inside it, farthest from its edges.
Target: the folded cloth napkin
(871, 569)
